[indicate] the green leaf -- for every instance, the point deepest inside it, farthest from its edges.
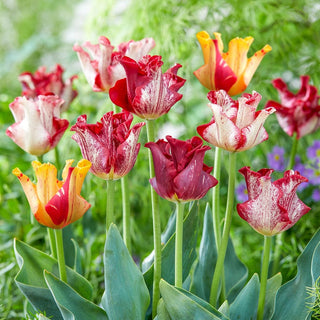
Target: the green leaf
(236, 272)
(77, 257)
(190, 232)
(162, 313)
(245, 305)
(295, 290)
(70, 303)
(32, 284)
(126, 295)
(181, 304)
(273, 285)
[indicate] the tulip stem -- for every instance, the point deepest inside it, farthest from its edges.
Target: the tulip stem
(264, 276)
(215, 197)
(52, 243)
(57, 158)
(110, 203)
(126, 212)
(156, 227)
(179, 245)
(60, 254)
(226, 231)
(280, 236)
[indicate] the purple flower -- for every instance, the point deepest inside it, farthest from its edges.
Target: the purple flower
(276, 159)
(303, 170)
(316, 195)
(313, 151)
(241, 192)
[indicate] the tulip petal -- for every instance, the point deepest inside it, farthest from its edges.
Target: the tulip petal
(193, 183)
(164, 172)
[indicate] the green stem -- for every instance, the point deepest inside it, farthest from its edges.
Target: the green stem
(293, 151)
(57, 158)
(156, 227)
(264, 276)
(216, 197)
(179, 245)
(52, 242)
(126, 212)
(60, 254)
(110, 203)
(226, 230)
(280, 237)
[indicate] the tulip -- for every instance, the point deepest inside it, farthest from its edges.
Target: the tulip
(297, 113)
(55, 203)
(42, 83)
(231, 71)
(110, 145)
(145, 91)
(38, 126)
(180, 174)
(273, 206)
(103, 69)
(235, 125)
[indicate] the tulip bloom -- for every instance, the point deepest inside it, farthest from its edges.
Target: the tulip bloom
(55, 203)
(147, 92)
(235, 125)
(42, 83)
(231, 71)
(103, 69)
(38, 126)
(180, 174)
(273, 207)
(110, 145)
(298, 112)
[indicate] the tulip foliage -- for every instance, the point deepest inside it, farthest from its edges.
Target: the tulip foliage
(178, 280)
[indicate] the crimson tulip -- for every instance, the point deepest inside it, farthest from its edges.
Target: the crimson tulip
(56, 203)
(235, 125)
(145, 91)
(42, 83)
(100, 63)
(231, 71)
(273, 206)
(38, 126)
(298, 112)
(110, 145)
(180, 174)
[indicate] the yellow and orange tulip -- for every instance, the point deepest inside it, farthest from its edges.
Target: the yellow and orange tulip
(56, 203)
(231, 71)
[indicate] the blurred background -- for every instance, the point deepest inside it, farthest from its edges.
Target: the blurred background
(36, 33)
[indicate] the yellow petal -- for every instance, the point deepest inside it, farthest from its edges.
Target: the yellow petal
(47, 182)
(205, 43)
(220, 43)
(236, 57)
(66, 169)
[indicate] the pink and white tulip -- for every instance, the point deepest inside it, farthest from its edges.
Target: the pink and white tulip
(273, 206)
(38, 126)
(100, 63)
(235, 125)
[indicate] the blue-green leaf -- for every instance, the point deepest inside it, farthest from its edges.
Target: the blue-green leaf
(126, 294)
(295, 290)
(245, 305)
(72, 306)
(181, 304)
(32, 284)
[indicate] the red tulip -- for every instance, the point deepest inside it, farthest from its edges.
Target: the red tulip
(38, 126)
(101, 64)
(180, 174)
(273, 206)
(147, 92)
(110, 145)
(298, 112)
(235, 125)
(42, 83)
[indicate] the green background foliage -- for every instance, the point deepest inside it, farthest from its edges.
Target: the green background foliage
(35, 33)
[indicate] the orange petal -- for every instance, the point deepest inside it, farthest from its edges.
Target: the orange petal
(205, 43)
